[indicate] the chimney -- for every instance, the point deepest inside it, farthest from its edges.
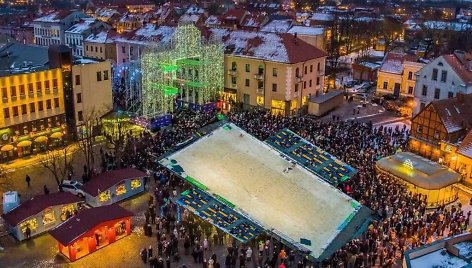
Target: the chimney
(295, 35)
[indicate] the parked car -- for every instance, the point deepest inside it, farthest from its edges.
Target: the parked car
(389, 97)
(73, 187)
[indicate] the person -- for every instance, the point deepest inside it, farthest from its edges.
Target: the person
(150, 251)
(143, 254)
(97, 238)
(28, 180)
(248, 254)
(46, 190)
(28, 232)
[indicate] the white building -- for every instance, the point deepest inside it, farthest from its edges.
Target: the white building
(443, 78)
(49, 29)
(75, 35)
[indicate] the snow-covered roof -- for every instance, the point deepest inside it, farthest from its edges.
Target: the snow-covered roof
(101, 37)
(370, 65)
(190, 18)
(322, 17)
(105, 12)
(149, 33)
(304, 30)
(278, 26)
(393, 63)
(81, 26)
(212, 21)
(266, 46)
(445, 25)
(55, 16)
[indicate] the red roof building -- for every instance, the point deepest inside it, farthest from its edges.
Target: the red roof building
(41, 213)
(92, 229)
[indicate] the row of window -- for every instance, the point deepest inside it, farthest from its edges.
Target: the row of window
(21, 90)
(23, 109)
(274, 70)
(105, 77)
(73, 41)
(92, 48)
(437, 92)
(260, 84)
(46, 41)
(46, 32)
(434, 76)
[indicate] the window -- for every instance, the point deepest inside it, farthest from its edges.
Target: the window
(233, 80)
(30, 89)
(101, 50)
(246, 83)
(419, 128)
(304, 84)
(410, 90)
(260, 70)
(86, 48)
(23, 109)
(40, 106)
(6, 113)
(385, 85)
(56, 102)
(311, 68)
(99, 76)
(15, 110)
(274, 72)
(437, 92)
(4, 93)
(22, 90)
(233, 66)
(319, 67)
(317, 81)
(80, 116)
(38, 87)
(443, 76)
(306, 69)
(450, 94)
(435, 74)
(47, 85)
(248, 68)
(410, 75)
(424, 90)
(274, 87)
(96, 49)
(54, 83)
(309, 84)
(77, 80)
(105, 75)
(260, 85)
(79, 97)
(32, 107)
(296, 87)
(13, 92)
(48, 104)
(297, 72)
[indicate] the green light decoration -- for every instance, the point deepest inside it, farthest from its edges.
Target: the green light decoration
(196, 183)
(224, 201)
(189, 69)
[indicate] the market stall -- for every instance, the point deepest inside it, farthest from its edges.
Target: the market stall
(92, 229)
(41, 213)
(113, 186)
(422, 176)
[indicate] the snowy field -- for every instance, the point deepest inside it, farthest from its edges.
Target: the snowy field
(251, 175)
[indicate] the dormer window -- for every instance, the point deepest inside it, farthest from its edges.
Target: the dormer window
(440, 64)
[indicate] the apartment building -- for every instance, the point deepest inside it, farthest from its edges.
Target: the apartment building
(75, 35)
(273, 71)
(443, 78)
(101, 46)
(50, 29)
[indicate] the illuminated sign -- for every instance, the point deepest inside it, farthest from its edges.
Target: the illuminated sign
(407, 163)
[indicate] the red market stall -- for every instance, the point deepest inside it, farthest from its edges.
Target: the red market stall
(92, 229)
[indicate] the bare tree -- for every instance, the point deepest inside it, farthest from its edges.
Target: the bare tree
(58, 162)
(117, 131)
(5, 185)
(390, 31)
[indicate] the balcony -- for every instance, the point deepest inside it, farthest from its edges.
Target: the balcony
(299, 79)
(259, 76)
(260, 90)
(22, 96)
(321, 72)
(4, 99)
(31, 95)
(54, 90)
(47, 91)
(232, 72)
(13, 98)
(39, 94)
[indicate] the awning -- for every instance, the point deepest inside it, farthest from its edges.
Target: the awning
(7, 148)
(56, 135)
(24, 144)
(41, 139)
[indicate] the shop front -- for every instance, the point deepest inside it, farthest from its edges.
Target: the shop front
(91, 230)
(113, 186)
(41, 213)
(422, 176)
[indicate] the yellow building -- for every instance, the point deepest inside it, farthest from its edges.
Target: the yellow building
(459, 157)
(101, 46)
(397, 74)
(92, 86)
(272, 71)
(32, 111)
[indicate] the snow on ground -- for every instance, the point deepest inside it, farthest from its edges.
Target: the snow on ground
(436, 259)
(250, 174)
(351, 57)
(465, 249)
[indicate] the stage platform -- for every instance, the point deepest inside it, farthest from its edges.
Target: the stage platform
(262, 184)
(312, 157)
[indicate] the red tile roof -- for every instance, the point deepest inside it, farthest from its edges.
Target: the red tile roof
(37, 204)
(455, 113)
(107, 179)
(86, 220)
(465, 148)
(459, 66)
(299, 50)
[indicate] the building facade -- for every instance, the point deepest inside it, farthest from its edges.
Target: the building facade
(75, 35)
(101, 46)
(50, 29)
(397, 74)
(443, 78)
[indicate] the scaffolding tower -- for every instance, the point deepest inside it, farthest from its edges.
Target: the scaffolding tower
(127, 83)
(188, 70)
